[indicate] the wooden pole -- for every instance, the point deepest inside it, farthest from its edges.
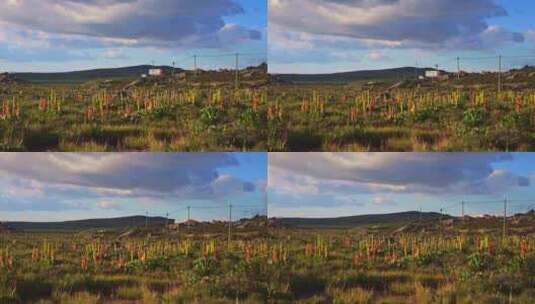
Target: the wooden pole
(504, 217)
(237, 80)
(499, 74)
(229, 223)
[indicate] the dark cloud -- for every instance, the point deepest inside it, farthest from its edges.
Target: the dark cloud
(523, 181)
(99, 182)
(142, 173)
(407, 23)
(249, 187)
(363, 3)
(161, 23)
(438, 173)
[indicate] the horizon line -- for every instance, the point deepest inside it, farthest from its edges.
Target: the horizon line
(276, 217)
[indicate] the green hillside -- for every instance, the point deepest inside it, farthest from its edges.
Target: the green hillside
(111, 223)
(83, 76)
(359, 220)
(345, 77)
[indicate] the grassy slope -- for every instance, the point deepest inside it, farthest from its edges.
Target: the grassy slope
(83, 76)
(345, 77)
(112, 223)
(359, 220)
(426, 115)
(167, 121)
(419, 264)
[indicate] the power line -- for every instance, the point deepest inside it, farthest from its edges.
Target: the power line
(230, 55)
(478, 58)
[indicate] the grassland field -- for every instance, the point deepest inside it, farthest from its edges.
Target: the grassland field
(207, 113)
(427, 263)
(141, 265)
(200, 113)
(431, 261)
(404, 115)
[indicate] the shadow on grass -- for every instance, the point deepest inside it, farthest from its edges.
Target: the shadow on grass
(31, 289)
(40, 140)
(304, 140)
(372, 139)
(305, 286)
(106, 135)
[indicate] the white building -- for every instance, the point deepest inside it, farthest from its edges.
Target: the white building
(432, 74)
(155, 72)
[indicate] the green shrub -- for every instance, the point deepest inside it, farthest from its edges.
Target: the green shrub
(480, 262)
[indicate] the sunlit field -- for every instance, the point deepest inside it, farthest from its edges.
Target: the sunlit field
(172, 113)
(453, 115)
(182, 264)
(449, 261)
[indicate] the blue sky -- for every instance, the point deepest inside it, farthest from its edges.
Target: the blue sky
(342, 184)
(67, 186)
(322, 36)
(63, 35)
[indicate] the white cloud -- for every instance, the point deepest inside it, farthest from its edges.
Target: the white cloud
(150, 172)
(114, 54)
(108, 205)
(26, 189)
(377, 56)
(52, 178)
(530, 34)
(382, 200)
(74, 30)
(226, 184)
(428, 173)
(427, 24)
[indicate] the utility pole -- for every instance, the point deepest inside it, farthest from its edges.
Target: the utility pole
(462, 209)
(237, 80)
(167, 219)
(229, 223)
(266, 205)
(458, 68)
(174, 69)
(504, 217)
(195, 64)
(499, 74)
(189, 213)
(441, 214)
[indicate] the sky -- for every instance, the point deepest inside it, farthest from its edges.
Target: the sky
(70, 186)
(324, 36)
(344, 184)
(66, 35)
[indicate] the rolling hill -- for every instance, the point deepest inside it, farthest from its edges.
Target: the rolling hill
(359, 220)
(82, 76)
(344, 77)
(122, 73)
(111, 223)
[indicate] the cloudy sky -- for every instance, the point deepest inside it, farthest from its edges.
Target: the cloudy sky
(66, 186)
(341, 184)
(61, 35)
(319, 36)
